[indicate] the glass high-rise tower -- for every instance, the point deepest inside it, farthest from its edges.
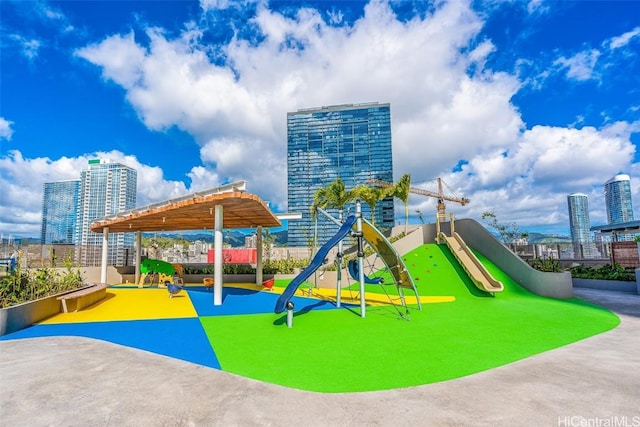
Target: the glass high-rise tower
(350, 142)
(59, 210)
(106, 188)
(617, 194)
(580, 226)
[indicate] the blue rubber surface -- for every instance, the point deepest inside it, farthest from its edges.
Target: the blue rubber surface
(245, 301)
(183, 339)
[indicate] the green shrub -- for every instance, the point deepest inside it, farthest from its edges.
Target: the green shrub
(269, 266)
(21, 286)
(547, 264)
(606, 272)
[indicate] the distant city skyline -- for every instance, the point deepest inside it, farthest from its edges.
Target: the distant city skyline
(513, 104)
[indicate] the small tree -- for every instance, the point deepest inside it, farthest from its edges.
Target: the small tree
(400, 191)
(334, 195)
(268, 241)
(508, 231)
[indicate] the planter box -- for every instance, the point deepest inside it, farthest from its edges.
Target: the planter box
(606, 285)
(20, 316)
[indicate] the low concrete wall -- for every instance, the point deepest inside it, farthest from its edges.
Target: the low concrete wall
(607, 285)
(412, 240)
(92, 275)
(20, 316)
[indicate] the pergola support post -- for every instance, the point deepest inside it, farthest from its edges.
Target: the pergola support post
(259, 256)
(218, 258)
(105, 255)
(138, 255)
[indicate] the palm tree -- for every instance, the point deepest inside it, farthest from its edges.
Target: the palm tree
(371, 196)
(401, 191)
(334, 195)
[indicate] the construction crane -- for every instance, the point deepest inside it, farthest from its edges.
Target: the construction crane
(439, 195)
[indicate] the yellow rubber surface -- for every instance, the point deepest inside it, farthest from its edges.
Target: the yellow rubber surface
(353, 297)
(131, 304)
(154, 303)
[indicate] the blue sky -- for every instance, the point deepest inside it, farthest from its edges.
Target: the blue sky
(514, 104)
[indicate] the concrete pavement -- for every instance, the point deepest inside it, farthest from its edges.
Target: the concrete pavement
(77, 381)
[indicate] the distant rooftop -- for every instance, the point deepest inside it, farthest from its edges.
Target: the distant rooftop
(630, 226)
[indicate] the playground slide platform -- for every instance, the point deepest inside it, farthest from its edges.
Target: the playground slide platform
(471, 264)
(316, 263)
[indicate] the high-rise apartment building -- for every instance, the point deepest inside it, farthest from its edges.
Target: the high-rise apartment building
(106, 188)
(59, 210)
(350, 142)
(580, 226)
(617, 194)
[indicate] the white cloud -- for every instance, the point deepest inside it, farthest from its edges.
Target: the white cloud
(441, 112)
(581, 66)
(530, 182)
(29, 48)
(207, 5)
(5, 129)
(238, 109)
(52, 16)
(121, 57)
(21, 196)
(624, 39)
(537, 6)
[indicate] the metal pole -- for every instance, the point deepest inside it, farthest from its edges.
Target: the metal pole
(339, 273)
(360, 259)
(289, 314)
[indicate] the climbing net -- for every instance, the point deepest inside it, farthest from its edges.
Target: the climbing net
(379, 280)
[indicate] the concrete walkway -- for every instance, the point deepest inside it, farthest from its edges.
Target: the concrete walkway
(83, 382)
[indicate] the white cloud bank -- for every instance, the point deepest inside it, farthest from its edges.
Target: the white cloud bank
(441, 113)
(5, 129)
(21, 207)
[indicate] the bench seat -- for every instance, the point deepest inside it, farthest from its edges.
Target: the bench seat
(83, 297)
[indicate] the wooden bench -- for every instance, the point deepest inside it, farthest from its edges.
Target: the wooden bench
(84, 297)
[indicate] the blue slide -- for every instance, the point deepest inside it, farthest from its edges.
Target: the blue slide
(354, 271)
(318, 260)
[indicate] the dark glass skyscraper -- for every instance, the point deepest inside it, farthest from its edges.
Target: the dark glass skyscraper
(59, 210)
(350, 142)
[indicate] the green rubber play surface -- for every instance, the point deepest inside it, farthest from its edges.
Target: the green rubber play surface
(338, 351)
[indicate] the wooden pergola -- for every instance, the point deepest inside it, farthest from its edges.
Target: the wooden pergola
(228, 206)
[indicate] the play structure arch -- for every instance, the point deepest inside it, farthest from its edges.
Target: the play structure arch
(358, 227)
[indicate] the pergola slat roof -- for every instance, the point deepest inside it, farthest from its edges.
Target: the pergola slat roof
(194, 212)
